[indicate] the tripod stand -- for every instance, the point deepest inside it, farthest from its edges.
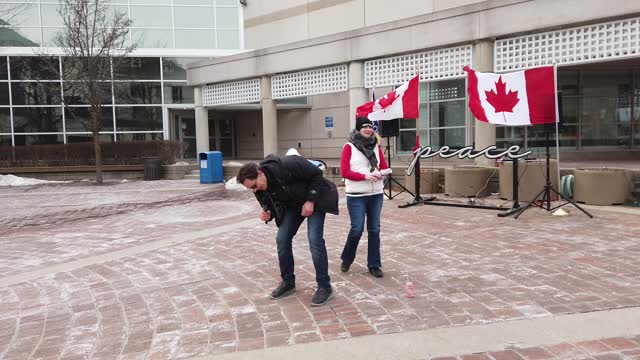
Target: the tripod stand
(548, 188)
(390, 180)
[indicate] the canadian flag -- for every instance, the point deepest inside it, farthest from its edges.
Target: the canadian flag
(514, 99)
(400, 103)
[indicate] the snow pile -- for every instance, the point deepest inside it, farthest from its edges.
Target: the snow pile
(232, 184)
(12, 180)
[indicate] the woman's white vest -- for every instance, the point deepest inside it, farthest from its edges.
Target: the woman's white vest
(359, 163)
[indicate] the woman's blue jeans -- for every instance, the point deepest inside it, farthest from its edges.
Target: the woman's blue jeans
(315, 232)
(359, 206)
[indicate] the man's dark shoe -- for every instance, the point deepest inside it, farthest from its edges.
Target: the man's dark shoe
(375, 271)
(345, 267)
(283, 290)
(322, 296)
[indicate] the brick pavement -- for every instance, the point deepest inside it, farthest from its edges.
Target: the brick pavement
(208, 295)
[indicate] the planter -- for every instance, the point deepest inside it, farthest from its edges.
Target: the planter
(467, 180)
(174, 172)
(531, 178)
(601, 186)
(429, 181)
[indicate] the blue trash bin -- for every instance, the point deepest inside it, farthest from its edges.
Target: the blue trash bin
(210, 163)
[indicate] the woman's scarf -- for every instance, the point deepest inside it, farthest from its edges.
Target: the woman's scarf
(367, 146)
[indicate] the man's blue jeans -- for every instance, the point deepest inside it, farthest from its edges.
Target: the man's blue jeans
(315, 232)
(359, 206)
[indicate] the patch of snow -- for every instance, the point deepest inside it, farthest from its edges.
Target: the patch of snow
(124, 180)
(12, 180)
(233, 163)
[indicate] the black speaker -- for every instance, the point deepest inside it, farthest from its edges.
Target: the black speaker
(389, 128)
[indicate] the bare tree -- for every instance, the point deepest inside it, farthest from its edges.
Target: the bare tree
(94, 38)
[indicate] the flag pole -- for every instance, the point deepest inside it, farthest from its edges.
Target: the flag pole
(555, 91)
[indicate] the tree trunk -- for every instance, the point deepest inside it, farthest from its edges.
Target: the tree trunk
(96, 144)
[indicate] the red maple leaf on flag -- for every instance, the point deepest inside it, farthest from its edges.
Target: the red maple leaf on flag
(500, 100)
(387, 100)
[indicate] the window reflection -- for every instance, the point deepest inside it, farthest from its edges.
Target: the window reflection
(34, 68)
(178, 93)
(33, 93)
(19, 36)
(5, 120)
(138, 118)
(227, 18)
(137, 93)
(176, 68)
(37, 119)
(75, 94)
(38, 139)
(5, 140)
(78, 119)
(137, 69)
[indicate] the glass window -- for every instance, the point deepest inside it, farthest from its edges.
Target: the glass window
(4, 93)
(80, 138)
(74, 93)
(34, 68)
(447, 90)
(195, 39)
(5, 140)
(20, 14)
(178, 93)
(5, 120)
(151, 16)
(137, 93)
(606, 108)
(507, 136)
(451, 137)
(152, 38)
(49, 36)
(151, 2)
(228, 39)
(137, 69)
(176, 68)
(37, 119)
(117, 9)
(19, 36)
(38, 139)
(33, 93)
(192, 2)
(50, 15)
(227, 2)
(78, 119)
(447, 113)
(139, 136)
(3, 68)
(138, 118)
(227, 18)
(193, 17)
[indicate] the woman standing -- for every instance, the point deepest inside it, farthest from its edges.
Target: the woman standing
(360, 164)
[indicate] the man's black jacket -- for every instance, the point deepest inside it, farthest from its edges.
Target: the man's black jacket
(291, 181)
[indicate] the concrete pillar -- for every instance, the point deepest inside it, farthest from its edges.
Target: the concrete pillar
(485, 133)
(202, 122)
(358, 94)
(269, 117)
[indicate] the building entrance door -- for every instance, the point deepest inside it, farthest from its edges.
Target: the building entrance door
(221, 133)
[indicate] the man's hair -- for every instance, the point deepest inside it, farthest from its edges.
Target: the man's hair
(247, 171)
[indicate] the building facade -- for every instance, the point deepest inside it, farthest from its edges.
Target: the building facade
(316, 61)
(149, 97)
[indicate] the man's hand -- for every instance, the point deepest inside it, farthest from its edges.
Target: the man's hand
(307, 209)
(265, 215)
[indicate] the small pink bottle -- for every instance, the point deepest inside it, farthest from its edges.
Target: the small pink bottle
(410, 289)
